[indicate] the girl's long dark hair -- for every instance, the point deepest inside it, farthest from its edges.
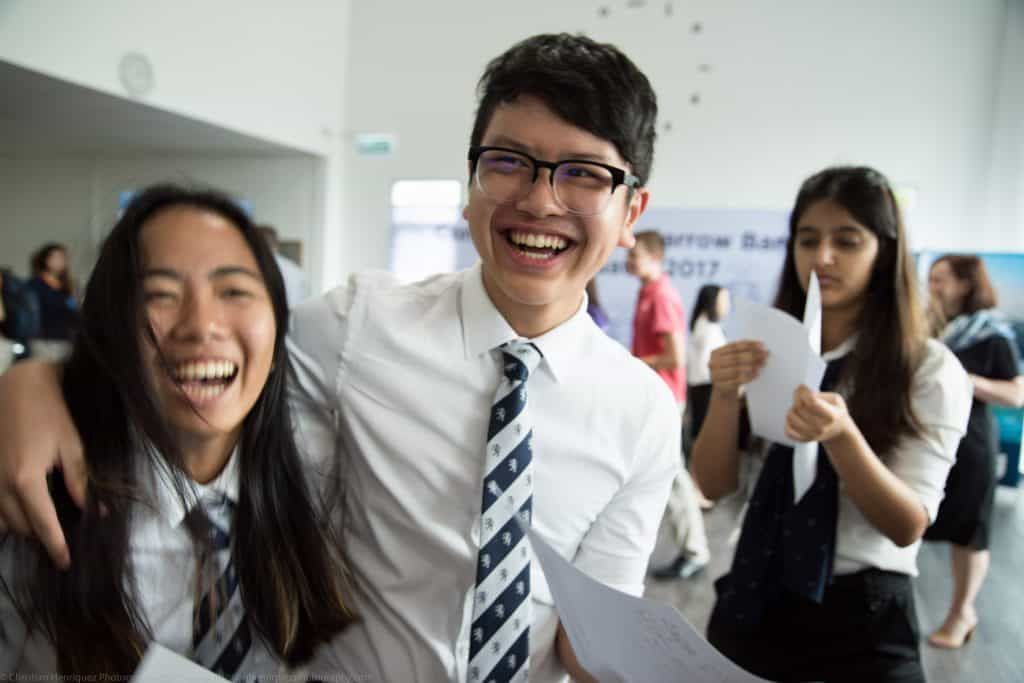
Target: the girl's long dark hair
(294, 584)
(892, 330)
(706, 305)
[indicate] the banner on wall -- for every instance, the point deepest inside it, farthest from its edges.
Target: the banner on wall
(739, 249)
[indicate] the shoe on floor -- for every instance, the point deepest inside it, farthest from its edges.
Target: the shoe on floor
(953, 634)
(685, 566)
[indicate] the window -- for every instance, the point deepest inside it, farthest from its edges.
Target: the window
(425, 215)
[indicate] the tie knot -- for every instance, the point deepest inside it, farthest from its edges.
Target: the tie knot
(218, 511)
(521, 358)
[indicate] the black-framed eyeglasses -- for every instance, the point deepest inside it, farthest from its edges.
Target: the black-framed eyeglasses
(579, 186)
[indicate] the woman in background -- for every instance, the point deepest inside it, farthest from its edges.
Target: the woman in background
(706, 335)
(58, 310)
(211, 541)
(985, 345)
(820, 586)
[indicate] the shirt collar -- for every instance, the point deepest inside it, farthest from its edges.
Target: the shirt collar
(484, 328)
(841, 350)
(173, 509)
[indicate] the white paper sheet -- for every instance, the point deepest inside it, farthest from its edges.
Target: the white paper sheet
(790, 364)
(619, 638)
(794, 349)
(160, 665)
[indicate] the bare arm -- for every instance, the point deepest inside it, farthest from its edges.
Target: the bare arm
(38, 437)
(568, 658)
(1003, 392)
(714, 459)
(886, 502)
(672, 354)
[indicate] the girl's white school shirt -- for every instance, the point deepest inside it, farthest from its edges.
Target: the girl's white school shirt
(163, 563)
(941, 398)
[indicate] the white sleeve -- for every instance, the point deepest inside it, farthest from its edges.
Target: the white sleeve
(941, 400)
(619, 544)
(317, 337)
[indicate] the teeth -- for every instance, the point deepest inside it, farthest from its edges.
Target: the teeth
(202, 392)
(538, 257)
(536, 241)
(188, 372)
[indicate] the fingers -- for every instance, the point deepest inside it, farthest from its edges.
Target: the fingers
(42, 520)
(799, 428)
(812, 405)
(737, 363)
(12, 516)
(741, 352)
(815, 416)
(72, 463)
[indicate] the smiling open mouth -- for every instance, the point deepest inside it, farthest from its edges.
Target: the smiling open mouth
(538, 247)
(205, 379)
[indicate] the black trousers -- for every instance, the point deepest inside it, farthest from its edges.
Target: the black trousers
(864, 630)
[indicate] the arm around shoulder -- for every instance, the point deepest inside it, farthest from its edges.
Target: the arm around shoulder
(39, 435)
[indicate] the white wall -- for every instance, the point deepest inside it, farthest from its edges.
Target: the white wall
(75, 201)
(259, 67)
(45, 200)
(1005, 192)
(908, 87)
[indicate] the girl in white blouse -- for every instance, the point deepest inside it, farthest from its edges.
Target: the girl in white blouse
(199, 530)
(706, 335)
(820, 586)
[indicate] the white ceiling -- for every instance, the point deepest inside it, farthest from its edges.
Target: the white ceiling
(40, 115)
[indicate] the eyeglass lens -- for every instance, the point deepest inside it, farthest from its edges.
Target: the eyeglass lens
(579, 187)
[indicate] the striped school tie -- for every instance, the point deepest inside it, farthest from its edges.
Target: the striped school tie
(499, 638)
(221, 636)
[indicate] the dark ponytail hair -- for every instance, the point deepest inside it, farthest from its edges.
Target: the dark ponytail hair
(294, 584)
(706, 305)
(892, 329)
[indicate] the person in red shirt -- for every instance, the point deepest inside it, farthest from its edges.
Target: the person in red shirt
(659, 339)
(659, 324)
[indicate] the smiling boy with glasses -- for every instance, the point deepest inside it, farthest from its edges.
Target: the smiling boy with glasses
(469, 398)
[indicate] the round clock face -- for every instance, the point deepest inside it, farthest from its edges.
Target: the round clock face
(136, 74)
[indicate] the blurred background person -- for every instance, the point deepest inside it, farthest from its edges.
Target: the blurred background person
(659, 339)
(706, 335)
(296, 284)
(58, 310)
(984, 343)
(19, 321)
(594, 307)
(712, 306)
